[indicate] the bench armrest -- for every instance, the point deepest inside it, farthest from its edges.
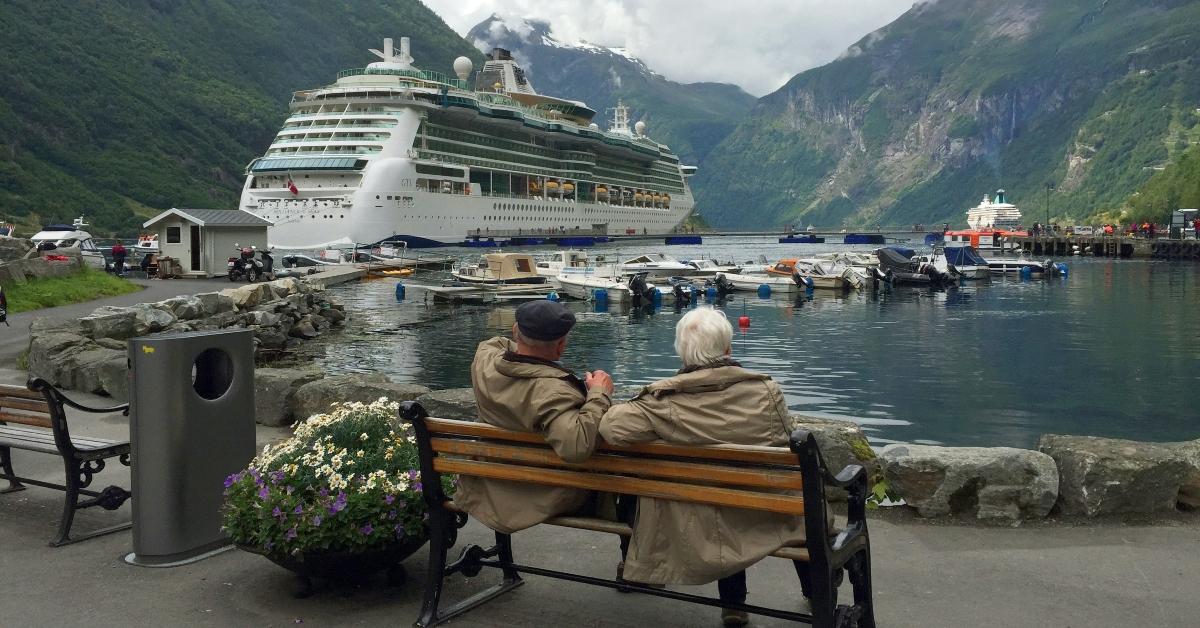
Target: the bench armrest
(46, 388)
(852, 478)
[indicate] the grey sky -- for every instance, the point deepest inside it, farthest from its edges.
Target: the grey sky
(757, 44)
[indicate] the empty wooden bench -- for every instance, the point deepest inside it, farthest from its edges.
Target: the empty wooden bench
(34, 419)
(725, 475)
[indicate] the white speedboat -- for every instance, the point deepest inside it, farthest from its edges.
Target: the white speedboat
(851, 258)
(965, 260)
(584, 286)
(68, 239)
(146, 243)
(750, 283)
(500, 268)
(708, 268)
(656, 265)
(1005, 265)
(829, 275)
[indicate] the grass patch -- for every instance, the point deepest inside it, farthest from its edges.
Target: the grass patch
(86, 285)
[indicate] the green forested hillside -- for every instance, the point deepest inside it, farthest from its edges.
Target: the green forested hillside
(115, 108)
(957, 98)
(1176, 187)
(691, 118)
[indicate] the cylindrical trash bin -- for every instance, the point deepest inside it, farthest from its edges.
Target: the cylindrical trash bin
(191, 426)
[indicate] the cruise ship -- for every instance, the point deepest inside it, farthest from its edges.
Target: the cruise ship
(994, 214)
(390, 153)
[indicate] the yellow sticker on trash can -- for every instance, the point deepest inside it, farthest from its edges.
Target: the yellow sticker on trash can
(147, 349)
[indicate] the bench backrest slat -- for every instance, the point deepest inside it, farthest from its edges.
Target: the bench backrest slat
(690, 472)
(691, 493)
(21, 405)
(728, 453)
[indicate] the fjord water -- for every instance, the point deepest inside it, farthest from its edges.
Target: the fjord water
(1112, 350)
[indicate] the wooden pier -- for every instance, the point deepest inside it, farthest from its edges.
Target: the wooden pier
(1122, 247)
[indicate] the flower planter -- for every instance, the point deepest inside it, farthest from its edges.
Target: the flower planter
(341, 566)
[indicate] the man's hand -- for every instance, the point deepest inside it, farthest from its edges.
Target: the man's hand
(599, 379)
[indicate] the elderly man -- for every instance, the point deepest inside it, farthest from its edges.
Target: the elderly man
(520, 385)
(711, 400)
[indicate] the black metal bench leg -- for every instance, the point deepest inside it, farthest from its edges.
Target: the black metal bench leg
(824, 600)
(70, 504)
(860, 579)
(6, 465)
(441, 526)
(504, 549)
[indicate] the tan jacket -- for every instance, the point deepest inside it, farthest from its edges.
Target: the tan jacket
(529, 395)
(679, 543)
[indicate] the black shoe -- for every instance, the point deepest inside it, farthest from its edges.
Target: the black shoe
(733, 617)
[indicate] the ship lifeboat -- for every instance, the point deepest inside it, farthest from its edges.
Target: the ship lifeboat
(552, 186)
(638, 197)
(568, 188)
(601, 190)
(666, 199)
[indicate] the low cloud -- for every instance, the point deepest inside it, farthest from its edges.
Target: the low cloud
(758, 45)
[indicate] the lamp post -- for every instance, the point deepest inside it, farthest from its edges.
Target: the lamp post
(1049, 186)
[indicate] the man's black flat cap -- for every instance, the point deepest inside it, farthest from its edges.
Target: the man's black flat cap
(544, 320)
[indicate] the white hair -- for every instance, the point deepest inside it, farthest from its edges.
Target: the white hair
(703, 336)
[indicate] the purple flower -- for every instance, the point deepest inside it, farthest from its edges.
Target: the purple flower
(299, 509)
(290, 488)
(291, 534)
(367, 529)
(418, 487)
(338, 504)
(277, 476)
(388, 499)
(316, 521)
(392, 514)
(230, 480)
(413, 474)
(399, 531)
(323, 492)
(263, 493)
(277, 513)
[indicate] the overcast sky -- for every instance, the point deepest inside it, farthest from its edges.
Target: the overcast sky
(757, 44)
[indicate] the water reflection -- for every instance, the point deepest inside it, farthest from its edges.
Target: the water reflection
(1111, 351)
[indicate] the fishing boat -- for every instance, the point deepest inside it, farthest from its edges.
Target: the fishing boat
(584, 286)
(501, 268)
(656, 265)
(573, 262)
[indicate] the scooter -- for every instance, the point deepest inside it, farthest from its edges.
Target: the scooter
(266, 265)
(244, 266)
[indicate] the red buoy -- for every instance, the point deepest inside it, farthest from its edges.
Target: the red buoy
(743, 321)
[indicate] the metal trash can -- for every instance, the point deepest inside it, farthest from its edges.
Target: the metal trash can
(191, 426)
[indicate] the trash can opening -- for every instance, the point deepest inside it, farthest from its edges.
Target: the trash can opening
(212, 373)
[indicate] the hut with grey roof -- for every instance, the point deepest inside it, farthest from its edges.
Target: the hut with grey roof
(203, 240)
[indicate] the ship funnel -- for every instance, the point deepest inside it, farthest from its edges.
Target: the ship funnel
(404, 50)
(387, 49)
(999, 196)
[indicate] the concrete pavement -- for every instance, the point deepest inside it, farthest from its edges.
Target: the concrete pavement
(15, 338)
(1112, 573)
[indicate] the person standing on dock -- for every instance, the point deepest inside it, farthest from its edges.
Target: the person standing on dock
(521, 385)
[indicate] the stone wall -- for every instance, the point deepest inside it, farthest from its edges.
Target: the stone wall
(19, 264)
(90, 354)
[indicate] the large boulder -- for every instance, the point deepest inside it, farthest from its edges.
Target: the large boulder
(452, 403)
(48, 349)
(1101, 476)
(14, 248)
(1189, 491)
(994, 483)
(316, 397)
(110, 322)
(112, 372)
(148, 319)
(275, 393)
(250, 295)
(842, 443)
(215, 303)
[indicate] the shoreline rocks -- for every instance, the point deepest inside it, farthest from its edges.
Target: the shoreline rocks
(1102, 476)
(89, 354)
(315, 397)
(988, 483)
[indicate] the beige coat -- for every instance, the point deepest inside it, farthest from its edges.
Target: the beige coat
(680, 543)
(529, 395)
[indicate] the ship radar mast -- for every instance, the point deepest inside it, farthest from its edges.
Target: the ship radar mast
(620, 119)
(391, 60)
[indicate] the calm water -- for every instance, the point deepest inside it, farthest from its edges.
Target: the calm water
(1112, 350)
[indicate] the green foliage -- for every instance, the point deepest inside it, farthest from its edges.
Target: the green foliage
(346, 481)
(120, 109)
(86, 285)
(1091, 96)
(1176, 187)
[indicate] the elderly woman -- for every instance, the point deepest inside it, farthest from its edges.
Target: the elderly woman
(711, 400)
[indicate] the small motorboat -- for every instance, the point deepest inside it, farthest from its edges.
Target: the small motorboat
(146, 243)
(898, 266)
(751, 283)
(656, 265)
(574, 262)
(1043, 268)
(500, 268)
(829, 275)
(707, 267)
(584, 286)
(965, 260)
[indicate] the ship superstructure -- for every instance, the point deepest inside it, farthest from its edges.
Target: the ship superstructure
(994, 214)
(393, 153)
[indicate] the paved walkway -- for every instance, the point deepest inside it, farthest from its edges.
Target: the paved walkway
(928, 575)
(15, 338)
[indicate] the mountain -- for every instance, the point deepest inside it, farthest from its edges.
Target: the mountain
(690, 118)
(956, 98)
(118, 109)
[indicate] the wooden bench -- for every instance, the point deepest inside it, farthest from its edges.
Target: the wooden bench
(34, 419)
(725, 475)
